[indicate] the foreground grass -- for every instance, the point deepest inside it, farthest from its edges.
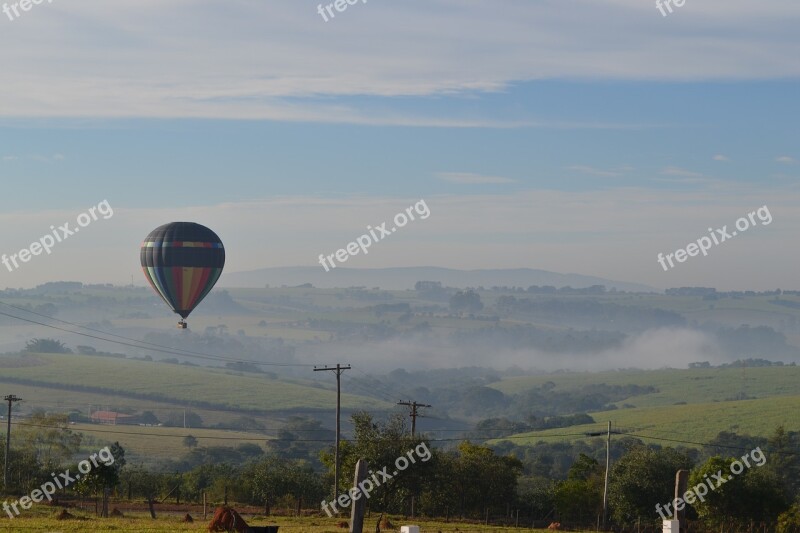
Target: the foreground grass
(43, 519)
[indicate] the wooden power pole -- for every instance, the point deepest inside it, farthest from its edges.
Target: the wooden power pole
(608, 466)
(338, 369)
(10, 399)
(413, 413)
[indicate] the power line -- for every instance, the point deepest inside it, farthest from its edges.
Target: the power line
(154, 348)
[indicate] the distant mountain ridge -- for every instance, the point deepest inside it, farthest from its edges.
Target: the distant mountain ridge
(401, 278)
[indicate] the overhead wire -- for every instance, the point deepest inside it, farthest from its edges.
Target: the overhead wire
(142, 345)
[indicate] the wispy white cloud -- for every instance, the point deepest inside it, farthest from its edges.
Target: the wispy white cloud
(468, 178)
(720, 157)
(786, 160)
(274, 60)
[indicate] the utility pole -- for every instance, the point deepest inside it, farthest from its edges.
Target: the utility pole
(338, 369)
(608, 465)
(413, 413)
(10, 399)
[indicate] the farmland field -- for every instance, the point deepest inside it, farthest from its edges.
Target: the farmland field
(173, 382)
(698, 385)
(690, 405)
(690, 425)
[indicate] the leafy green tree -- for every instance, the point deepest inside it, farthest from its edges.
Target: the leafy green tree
(466, 302)
(45, 346)
(148, 417)
(25, 472)
(580, 498)
(537, 494)
(789, 521)
(755, 494)
(642, 478)
(50, 438)
(494, 428)
(301, 438)
(273, 477)
(381, 443)
(484, 479)
(201, 479)
(783, 459)
(105, 476)
(437, 495)
(141, 482)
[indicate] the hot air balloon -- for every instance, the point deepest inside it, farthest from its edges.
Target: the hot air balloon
(182, 261)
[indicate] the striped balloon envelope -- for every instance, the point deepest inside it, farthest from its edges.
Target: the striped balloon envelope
(182, 261)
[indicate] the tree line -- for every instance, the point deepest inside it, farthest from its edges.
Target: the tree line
(459, 480)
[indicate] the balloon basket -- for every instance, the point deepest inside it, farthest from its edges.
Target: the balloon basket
(182, 324)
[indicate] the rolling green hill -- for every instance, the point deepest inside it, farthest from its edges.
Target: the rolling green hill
(174, 383)
(692, 405)
(689, 425)
(699, 385)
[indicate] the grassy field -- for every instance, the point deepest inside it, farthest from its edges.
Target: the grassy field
(149, 444)
(55, 400)
(180, 384)
(685, 424)
(702, 385)
(691, 405)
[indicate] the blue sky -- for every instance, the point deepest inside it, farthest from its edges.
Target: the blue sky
(573, 136)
